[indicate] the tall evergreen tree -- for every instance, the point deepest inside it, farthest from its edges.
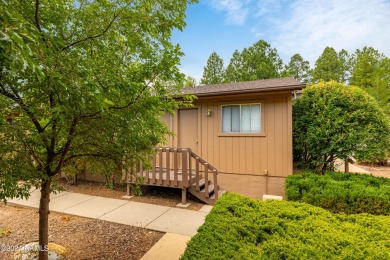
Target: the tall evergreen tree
(365, 67)
(332, 66)
(299, 68)
(380, 89)
(258, 61)
(371, 70)
(234, 69)
(214, 72)
(189, 82)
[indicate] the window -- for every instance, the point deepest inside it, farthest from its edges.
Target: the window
(241, 118)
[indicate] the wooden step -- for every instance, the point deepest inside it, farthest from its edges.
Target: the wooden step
(220, 193)
(202, 183)
(210, 189)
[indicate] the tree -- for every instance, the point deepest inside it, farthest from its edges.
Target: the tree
(371, 70)
(214, 72)
(366, 63)
(333, 121)
(299, 68)
(83, 82)
(332, 66)
(259, 61)
(234, 69)
(189, 82)
(380, 88)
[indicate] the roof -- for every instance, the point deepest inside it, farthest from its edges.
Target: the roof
(267, 85)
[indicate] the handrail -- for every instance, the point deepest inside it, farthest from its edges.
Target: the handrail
(170, 163)
(207, 167)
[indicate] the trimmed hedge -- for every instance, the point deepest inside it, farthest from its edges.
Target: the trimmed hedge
(242, 228)
(341, 192)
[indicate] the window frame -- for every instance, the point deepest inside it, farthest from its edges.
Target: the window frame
(240, 103)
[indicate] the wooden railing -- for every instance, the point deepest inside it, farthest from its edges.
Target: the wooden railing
(178, 168)
(206, 169)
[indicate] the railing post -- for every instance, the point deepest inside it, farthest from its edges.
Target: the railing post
(197, 173)
(216, 188)
(189, 166)
(184, 159)
(168, 166)
(154, 168)
(160, 165)
(141, 171)
(175, 170)
(206, 179)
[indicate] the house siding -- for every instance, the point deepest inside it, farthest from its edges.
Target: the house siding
(244, 162)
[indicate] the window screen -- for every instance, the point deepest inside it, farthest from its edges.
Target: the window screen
(241, 118)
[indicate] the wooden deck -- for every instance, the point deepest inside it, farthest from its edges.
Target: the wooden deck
(179, 168)
(162, 178)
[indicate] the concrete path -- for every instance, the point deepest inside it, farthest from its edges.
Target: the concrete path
(339, 166)
(178, 224)
(170, 246)
(159, 218)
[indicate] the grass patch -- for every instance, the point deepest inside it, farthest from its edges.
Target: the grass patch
(242, 228)
(341, 192)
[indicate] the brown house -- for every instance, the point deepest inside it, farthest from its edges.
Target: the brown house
(237, 137)
(244, 130)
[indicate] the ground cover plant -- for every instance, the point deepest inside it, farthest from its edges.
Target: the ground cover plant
(242, 228)
(341, 192)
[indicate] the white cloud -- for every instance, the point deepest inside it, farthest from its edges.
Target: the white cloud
(236, 11)
(266, 7)
(309, 26)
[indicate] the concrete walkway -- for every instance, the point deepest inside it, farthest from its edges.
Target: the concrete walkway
(339, 166)
(179, 224)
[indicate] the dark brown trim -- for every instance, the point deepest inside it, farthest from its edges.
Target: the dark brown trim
(248, 91)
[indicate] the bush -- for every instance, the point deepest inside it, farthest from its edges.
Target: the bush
(341, 192)
(242, 228)
(332, 121)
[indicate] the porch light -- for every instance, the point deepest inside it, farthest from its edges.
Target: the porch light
(209, 112)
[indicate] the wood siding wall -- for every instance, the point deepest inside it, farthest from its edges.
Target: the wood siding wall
(253, 155)
(268, 154)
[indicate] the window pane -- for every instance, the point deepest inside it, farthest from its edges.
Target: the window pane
(226, 119)
(255, 118)
(235, 119)
(246, 118)
(241, 118)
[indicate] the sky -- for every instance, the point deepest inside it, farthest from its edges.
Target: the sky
(291, 26)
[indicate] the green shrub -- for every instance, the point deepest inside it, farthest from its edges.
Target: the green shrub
(341, 192)
(331, 120)
(242, 228)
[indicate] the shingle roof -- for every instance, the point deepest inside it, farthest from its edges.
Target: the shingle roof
(267, 85)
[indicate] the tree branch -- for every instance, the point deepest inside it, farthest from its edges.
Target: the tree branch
(72, 131)
(36, 16)
(87, 155)
(32, 153)
(92, 36)
(16, 98)
(138, 96)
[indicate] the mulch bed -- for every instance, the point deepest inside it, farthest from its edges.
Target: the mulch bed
(162, 196)
(84, 238)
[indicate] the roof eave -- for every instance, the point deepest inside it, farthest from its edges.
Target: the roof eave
(246, 91)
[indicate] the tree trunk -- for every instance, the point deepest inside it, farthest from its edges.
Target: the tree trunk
(44, 219)
(346, 165)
